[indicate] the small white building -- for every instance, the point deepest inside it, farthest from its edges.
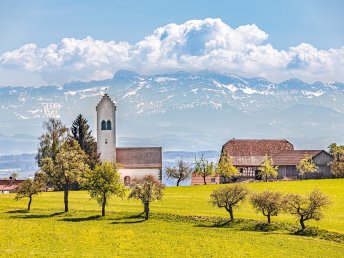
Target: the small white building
(134, 161)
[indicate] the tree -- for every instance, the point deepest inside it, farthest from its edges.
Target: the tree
(337, 165)
(268, 169)
(229, 197)
(14, 176)
(307, 207)
(204, 168)
(181, 171)
(268, 202)
(104, 182)
(225, 167)
(31, 187)
(146, 189)
(51, 140)
(82, 134)
(306, 165)
(67, 168)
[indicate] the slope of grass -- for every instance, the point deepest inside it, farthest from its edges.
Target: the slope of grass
(182, 224)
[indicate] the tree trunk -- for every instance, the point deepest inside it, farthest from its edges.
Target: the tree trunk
(103, 205)
(302, 224)
(178, 181)
(146, 210)
(266, 178)
(269, 218)
(205, 182)
(66, 191)
(29, 204)
(231, 214)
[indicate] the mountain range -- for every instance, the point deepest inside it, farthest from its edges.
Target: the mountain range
(181, 111)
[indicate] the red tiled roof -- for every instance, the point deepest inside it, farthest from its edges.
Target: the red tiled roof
(143, 157)
(292, 157)
(244, 147)
(10, 185)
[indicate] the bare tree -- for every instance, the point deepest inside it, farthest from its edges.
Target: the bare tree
(204, 168)
(306, 207)
(146, 189)
(268, 202)
(181, 171)
(229, 197)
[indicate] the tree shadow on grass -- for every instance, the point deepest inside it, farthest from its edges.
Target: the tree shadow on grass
(37, 216)
(244, 225)
(19, 211)
(133, 219)
(90, 218)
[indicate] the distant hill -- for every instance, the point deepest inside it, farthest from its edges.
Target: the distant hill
(181, 111)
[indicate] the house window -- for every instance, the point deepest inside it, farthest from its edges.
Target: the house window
(213, 180)
(127, 180)
(103, 125)
(108, 125)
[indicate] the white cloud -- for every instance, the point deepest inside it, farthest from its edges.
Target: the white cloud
(208, 44)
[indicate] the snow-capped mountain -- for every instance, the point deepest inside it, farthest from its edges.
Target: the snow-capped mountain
(183, 111)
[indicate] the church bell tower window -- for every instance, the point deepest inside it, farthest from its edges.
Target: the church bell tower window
(108, 125)
(103, 125)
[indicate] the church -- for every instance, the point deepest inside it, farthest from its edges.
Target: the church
(133, 161)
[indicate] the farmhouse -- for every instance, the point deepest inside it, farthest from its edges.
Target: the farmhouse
(248, 155)
(134, 162)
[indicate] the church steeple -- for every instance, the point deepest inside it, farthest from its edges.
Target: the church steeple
(106, 129)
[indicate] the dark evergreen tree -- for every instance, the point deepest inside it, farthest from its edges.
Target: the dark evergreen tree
(82, 134)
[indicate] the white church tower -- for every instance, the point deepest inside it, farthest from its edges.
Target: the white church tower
(106, 129)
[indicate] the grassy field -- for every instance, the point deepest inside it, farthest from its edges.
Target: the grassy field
(183, 224)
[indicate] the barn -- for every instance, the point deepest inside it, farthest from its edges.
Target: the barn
(248, 155)
(287, 161)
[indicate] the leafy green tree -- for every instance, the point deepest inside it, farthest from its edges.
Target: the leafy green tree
(31, 187)
(50, 141)
(81, 133)
(104, 182)
(306, 207)
(267, 202)
(337, 165)
(146, 189)
(204, 168)
(181, 171)
(225, 167)
(306, 165)
(68, 167)
(267, 169)
(229, 197)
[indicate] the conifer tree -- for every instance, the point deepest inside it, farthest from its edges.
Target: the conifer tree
(81, 133)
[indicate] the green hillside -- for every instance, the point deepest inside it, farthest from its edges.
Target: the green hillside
(183, 224)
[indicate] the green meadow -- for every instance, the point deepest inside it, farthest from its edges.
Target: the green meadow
(183, 224)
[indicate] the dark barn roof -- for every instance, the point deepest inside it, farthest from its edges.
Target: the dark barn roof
(293, 157)
(243, 147)
(139, 157)
(252, 152)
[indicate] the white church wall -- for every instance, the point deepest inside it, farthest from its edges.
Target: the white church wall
(139, 172)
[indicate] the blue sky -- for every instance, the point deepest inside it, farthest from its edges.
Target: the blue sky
(288, 24)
